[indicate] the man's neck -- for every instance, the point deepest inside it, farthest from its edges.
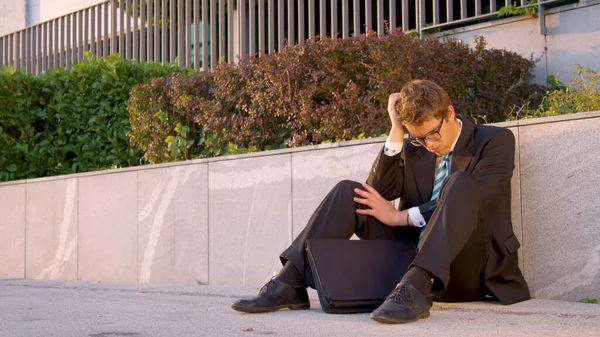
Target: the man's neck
(458, 127)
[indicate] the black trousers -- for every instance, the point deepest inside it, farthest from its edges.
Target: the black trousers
(455, 242)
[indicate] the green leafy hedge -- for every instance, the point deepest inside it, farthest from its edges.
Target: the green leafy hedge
(70, 120)
(323, 90)
(84, 118)
(580, 94)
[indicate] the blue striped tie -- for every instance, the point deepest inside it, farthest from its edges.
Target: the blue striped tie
(441, 172)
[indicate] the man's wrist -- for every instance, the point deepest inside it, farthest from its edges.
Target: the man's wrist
(398, 128)
(398, 219)
(396, 134)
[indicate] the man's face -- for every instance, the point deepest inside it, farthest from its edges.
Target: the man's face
(436, 134)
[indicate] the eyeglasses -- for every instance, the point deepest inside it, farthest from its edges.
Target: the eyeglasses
(433, 136)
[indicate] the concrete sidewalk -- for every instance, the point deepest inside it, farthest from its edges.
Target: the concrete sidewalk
(66, 308)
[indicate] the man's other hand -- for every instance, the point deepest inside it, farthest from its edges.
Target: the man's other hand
(379, 207)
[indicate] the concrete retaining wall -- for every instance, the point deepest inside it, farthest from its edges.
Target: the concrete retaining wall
(224, 221)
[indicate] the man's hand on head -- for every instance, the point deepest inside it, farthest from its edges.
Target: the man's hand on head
(392, 112)
(379, 207)
(398, 130)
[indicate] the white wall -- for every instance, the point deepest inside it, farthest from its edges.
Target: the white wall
(12, 16)
(572, 37)
(43, 10)
(18, 14)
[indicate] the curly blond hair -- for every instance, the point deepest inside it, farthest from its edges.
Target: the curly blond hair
(421, 100)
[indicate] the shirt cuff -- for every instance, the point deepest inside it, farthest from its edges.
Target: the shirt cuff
(391, 149)
(416, 217)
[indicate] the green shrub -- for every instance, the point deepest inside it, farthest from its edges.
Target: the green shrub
(589, 300)
(20, 116)
(511, 10)
(162, 115)
(323, 90)
(69, 120)
(580, 94)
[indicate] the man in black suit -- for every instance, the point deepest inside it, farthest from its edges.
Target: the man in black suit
(453, 181)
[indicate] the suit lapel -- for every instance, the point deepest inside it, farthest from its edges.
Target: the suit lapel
(463, 151)
(423, 170)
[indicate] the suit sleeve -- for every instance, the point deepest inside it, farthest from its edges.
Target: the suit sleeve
(387, 175)
(427, 209)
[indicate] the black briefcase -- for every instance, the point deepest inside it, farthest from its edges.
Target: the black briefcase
(353, 276)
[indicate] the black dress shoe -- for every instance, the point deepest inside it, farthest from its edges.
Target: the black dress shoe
(273, 296)
(404, 304)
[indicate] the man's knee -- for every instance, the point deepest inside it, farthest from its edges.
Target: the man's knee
(460, 183)
(347, 185)
(461, 179)
(343, 191)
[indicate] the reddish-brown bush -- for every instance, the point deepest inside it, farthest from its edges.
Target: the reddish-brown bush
(323, 90)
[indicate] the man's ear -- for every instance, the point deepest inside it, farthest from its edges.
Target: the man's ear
(451, 113)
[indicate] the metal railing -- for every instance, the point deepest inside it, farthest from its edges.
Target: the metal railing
(200, 33)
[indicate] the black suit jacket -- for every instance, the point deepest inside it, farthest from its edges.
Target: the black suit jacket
(485, 152)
